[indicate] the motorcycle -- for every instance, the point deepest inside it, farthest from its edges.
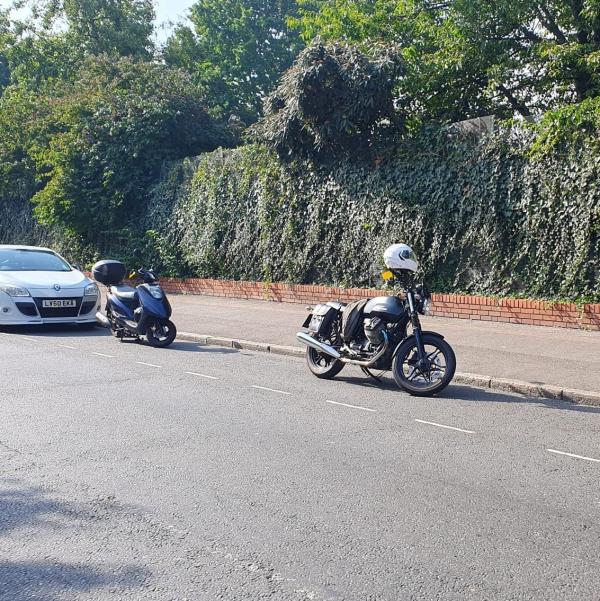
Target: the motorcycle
(373, 334)
(135, 313)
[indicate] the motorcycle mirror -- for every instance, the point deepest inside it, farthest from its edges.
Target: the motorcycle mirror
(423, 291)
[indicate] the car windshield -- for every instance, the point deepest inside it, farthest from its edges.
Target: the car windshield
(12, 259)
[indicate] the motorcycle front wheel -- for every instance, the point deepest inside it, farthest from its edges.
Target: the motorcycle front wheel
(161, 333)
(428, 379)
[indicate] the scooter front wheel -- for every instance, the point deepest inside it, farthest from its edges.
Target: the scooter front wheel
(161, 333)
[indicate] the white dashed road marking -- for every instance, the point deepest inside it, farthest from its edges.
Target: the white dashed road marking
(352, 406)
(271, 390)
(73, 348)
(30, 339)
(149, 364)
(103, 355)
(421, 421)
(573, 455)
(193, 373)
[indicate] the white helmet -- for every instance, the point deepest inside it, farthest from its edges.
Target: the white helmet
(400, 257)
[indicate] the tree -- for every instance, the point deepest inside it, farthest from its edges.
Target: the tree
(114, 27)
(467, 58)
(5, 42)
(100, 141)
(535, 54)
(237, 50)
(334, 100)
(57, 35)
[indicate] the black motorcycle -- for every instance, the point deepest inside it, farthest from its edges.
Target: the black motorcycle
(373, 334)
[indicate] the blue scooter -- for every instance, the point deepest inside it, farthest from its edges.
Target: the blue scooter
(135, 313)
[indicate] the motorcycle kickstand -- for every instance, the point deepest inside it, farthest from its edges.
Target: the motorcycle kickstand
(367, 372)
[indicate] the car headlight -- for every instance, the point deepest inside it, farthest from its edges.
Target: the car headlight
(156, 292)
(14, 291)
(91, 290)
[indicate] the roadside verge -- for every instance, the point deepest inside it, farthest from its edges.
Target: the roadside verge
(571, 395)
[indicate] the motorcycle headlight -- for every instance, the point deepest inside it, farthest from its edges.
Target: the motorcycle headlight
(14, 291)
(91, 290)
(156, 292)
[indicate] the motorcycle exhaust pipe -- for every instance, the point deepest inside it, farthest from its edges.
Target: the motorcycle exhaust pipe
(319, 346)
(103, 320)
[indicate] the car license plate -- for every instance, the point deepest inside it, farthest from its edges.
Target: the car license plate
(58, 304)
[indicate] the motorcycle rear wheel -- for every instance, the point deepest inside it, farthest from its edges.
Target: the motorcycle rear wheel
(424, 382)
(321, 365)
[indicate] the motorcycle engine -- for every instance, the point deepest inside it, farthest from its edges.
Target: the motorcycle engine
(374, 328)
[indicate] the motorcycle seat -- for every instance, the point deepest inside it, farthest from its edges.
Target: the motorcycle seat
(124, 292)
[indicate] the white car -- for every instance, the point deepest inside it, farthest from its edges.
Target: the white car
(37, 286)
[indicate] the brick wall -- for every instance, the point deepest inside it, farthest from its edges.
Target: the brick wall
(482, 308)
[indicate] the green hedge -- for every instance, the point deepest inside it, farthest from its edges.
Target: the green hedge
(505, 215)
(19, 226)
(492, 216)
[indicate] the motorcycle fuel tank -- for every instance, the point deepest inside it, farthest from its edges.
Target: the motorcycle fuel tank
(388, 308)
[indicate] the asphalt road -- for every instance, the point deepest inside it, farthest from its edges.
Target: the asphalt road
(205, 473)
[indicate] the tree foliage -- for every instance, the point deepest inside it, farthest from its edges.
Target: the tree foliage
(5, 42)
(335, 99)
(89, 116)
(467, 58)
(56, 36)
(237, 49)
(96, 145)
(115, 27)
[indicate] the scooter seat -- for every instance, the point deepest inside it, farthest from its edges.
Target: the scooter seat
(124, 292)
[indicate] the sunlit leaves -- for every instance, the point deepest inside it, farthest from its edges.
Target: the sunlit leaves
(237, 50)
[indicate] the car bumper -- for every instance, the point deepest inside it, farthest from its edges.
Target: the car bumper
(17, 311)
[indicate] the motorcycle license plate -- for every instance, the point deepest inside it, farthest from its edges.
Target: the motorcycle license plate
(58, 304)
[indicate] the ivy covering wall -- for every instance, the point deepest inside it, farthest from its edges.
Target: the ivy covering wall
(499, 215)
(515, 213)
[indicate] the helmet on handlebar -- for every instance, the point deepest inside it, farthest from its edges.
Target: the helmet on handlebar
(400, 257)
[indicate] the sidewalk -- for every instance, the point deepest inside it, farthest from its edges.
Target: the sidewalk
(553, 356)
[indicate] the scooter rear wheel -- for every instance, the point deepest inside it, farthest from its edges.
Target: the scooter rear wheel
(161, 333)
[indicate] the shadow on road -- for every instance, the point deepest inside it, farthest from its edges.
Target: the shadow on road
(49, 581)
(28, 509)
(55, 329)
(196, 347)
(472, 394)
(480, 395)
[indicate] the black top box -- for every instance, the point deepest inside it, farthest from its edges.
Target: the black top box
(109, 273)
